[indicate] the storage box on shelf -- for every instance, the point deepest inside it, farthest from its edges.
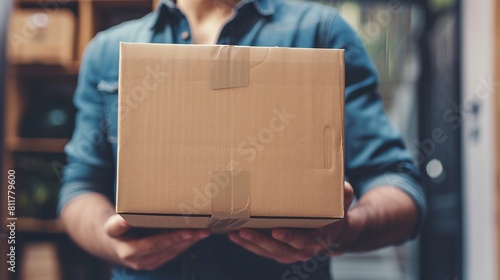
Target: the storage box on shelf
(40, 37)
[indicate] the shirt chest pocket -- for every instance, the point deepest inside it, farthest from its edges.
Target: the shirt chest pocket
(109, 92)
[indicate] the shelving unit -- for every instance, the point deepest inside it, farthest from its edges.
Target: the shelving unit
(39, 70)
(23, 82)
(46, 145)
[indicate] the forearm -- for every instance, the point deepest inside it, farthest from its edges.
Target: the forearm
(84, 218)
(383, 216)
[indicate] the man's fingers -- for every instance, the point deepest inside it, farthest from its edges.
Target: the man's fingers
(254, 248)
(150, 252)
(140, 262)
(116, 226)
(235, 237)
(273, 247)
(296, 238)
(154, 260)
(348, 195)
(163, 241)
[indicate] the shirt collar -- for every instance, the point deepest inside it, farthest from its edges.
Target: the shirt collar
(263, 7)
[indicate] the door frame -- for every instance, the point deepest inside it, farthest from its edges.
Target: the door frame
(496, 49)
(481, 161)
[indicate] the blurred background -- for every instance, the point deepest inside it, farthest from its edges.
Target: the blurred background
(439, 66)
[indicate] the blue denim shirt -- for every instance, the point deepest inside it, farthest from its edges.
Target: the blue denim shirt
(375, 154)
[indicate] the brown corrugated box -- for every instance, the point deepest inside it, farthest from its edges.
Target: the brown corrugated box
(41, 36)
(227, 137)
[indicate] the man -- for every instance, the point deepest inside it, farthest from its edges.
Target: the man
(391, 205)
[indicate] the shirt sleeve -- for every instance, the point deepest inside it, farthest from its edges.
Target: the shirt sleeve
(90, 165)
(375, 154)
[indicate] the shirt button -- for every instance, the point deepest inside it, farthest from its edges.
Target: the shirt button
(193, 256)
(185, 35)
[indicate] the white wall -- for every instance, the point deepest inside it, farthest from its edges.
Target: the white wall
(478, 162)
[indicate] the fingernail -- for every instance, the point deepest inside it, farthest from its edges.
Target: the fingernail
(246, 235)
(187, 235)
(124, 223)
(234, 238)
(282, 235)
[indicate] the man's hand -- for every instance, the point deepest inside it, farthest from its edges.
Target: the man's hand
(148, 252)
(292, 245)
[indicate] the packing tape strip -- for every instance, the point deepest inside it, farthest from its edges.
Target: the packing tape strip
(231, 199)
(229, 67)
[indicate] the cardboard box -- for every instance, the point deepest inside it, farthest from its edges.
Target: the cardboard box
(226, 137)
(37, 36)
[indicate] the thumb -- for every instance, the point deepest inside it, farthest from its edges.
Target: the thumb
(348, 195)
(116, 226)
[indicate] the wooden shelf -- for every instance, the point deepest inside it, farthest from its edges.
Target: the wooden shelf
(106, 2)
(38, 1)
(42, 69)
(47, 145)
(118, 2)
(114, 3)
(39, 225)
